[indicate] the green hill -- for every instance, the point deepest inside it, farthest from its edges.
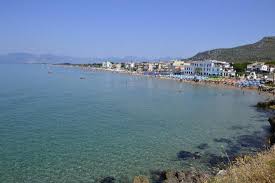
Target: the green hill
(263, 50)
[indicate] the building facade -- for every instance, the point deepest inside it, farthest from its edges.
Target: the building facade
(107, 65)
(209, 68)
(257, 67)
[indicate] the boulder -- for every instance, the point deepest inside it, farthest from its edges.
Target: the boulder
(170, 177)
(185, 155)
(181, 175)
(141, 179)
(185, 177)
(194, 177)
(221, 173)
(170, 174)
(266, 104)
(158, 175)
(171, 180)
(107, 180)
(272, 122)
(272, 140)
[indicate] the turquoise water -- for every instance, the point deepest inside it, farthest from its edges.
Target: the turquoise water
(59, 128)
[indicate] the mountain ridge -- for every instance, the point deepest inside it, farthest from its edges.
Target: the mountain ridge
(263, 50)
(22, 57)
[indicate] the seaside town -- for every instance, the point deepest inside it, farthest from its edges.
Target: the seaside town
(254, 75)
(145, 91)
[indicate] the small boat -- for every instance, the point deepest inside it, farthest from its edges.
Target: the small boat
(82, 78)
(49, 72)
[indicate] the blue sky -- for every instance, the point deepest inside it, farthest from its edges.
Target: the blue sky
(159, 28)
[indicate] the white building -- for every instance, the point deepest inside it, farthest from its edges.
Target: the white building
(118, 66)
(107, 65)
(264, 68)
(271, 69)
(132, 65)
(258, 67)
(151, 67)
(209, 68)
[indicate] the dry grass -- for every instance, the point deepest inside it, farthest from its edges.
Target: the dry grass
(250, 169)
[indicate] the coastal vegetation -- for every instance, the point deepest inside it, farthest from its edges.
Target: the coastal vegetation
(259, 168)
(240, 67)
(272, 62)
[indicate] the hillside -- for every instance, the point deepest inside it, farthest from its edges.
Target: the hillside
(263, 50)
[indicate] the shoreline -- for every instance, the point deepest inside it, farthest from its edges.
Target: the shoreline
(216, 84)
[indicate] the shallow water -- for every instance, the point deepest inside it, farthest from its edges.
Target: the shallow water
(60, 128)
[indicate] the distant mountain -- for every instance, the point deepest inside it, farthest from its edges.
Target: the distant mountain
(263, 50)
(16, 58)
(19, 58)
(133, 59)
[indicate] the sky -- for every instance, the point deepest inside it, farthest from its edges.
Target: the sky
(150, 28)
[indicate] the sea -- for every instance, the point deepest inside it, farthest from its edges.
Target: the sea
(62, 124)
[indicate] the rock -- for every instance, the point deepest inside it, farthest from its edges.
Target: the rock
(171, 180)
(181, 175)
(188, 177)
(272, 140)
(157, 175)
(271, 120)
(141, 179)
(223, 140)
(194, 177)
(203, 146)
(170, 177)
(265, 104)
(185, 177)
(221, 173)
(107, 180)
(262, 105)
(185, 155)
(170, 174)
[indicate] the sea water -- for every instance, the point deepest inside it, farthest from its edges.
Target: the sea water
(56, 127)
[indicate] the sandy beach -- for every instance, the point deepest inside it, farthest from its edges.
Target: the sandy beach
(225, 83)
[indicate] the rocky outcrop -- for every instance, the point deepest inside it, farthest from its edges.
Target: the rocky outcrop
(272, 140)
(185, 177)
(271, 120)
(269, 105)
(185, 155)
(141, 179)
(171, 177)
(266, 105)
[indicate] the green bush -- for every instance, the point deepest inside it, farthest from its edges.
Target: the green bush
(240, 67)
